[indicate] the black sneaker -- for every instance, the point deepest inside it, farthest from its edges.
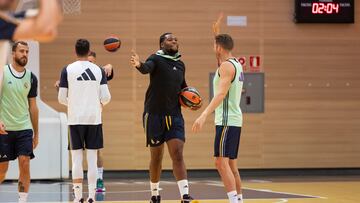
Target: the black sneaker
(155, 199)
(90, 200)
(80, 201)
(186, 199)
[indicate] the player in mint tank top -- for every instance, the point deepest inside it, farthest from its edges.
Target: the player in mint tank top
(19, 114)
(227, 85)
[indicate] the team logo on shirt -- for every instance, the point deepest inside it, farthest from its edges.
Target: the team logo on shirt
(26, 85)
(174, 68)
(87, 75)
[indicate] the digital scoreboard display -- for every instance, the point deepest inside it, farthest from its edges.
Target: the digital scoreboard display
(324, 11)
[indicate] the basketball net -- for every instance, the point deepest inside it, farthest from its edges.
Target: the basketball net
(71, 7)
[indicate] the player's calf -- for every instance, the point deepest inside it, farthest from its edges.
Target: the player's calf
(3, 170)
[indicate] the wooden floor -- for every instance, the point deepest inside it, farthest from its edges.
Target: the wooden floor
(207, 191)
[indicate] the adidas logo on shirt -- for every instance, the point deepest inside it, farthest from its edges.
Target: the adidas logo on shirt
(86, 76)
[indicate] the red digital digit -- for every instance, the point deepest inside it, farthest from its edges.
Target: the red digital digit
(336, 7)
(329, 8)
(315, 8)
(321, 8)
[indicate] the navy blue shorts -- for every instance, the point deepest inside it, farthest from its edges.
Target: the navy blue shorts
(16, 143)
(160, 129)
(227, 140)
(86, 137)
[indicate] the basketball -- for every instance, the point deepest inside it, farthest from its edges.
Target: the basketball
(112, 44)
(190, 98)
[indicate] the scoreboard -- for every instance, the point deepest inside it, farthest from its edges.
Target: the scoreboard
(324, 11)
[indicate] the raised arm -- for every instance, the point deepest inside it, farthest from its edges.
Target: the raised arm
(217, 23)
(42, 27)
(143, 68)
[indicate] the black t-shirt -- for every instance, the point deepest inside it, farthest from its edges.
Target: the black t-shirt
(167, 78)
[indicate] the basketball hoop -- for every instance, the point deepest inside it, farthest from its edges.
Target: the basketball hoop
(71, 7)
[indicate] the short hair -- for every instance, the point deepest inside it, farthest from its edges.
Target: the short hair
(163, 37)
(225, 41)
(16, 44)
(92, 53)
(82, 47)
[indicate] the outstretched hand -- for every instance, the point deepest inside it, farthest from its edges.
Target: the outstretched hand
(135, 59)
(216, 24)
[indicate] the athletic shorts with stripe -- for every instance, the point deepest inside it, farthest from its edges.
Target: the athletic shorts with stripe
(160, 129)
(227, 140)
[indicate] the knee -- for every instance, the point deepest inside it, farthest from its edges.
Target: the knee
(219, 164)
(24, 163)
(177, 156)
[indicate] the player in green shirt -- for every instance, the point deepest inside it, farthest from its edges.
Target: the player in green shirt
(227, 85)
(19, 114)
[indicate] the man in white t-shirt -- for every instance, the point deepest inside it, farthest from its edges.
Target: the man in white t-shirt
(84, 90)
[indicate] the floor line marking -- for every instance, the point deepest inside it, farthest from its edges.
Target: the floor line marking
(268, 190)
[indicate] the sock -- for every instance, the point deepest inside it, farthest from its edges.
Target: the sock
(240, 198)
(100, 172)
(183, 187)
(155, 189)
(92, 191)
(233, 198)
(23, 197)
(77, 187)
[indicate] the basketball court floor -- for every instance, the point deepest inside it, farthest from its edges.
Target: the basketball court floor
(263, 190)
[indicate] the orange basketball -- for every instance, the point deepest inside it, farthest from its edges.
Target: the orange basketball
(112, 43)
(190, 98)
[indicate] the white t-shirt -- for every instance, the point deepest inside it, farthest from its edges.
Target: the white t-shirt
(83, 88)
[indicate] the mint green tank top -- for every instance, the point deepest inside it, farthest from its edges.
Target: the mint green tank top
(228, 113)
(14, 104)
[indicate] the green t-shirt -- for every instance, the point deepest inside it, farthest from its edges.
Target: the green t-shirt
(14, 103)
(228, 113)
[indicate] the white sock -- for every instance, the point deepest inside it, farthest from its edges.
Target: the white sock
(240, 198)
(91, 156)
(155, 189)
(92, 191)
(78, 189)
(233, 198)
(23, 197)
(100, 172)
(183, 187)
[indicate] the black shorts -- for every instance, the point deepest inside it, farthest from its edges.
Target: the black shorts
(16, 143)
(160, 129)
(86, 137)
(227, 140)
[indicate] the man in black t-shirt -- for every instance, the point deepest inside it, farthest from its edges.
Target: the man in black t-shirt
(162, 118)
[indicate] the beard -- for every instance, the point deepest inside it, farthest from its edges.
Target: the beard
(21, 61)
(171, 52)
